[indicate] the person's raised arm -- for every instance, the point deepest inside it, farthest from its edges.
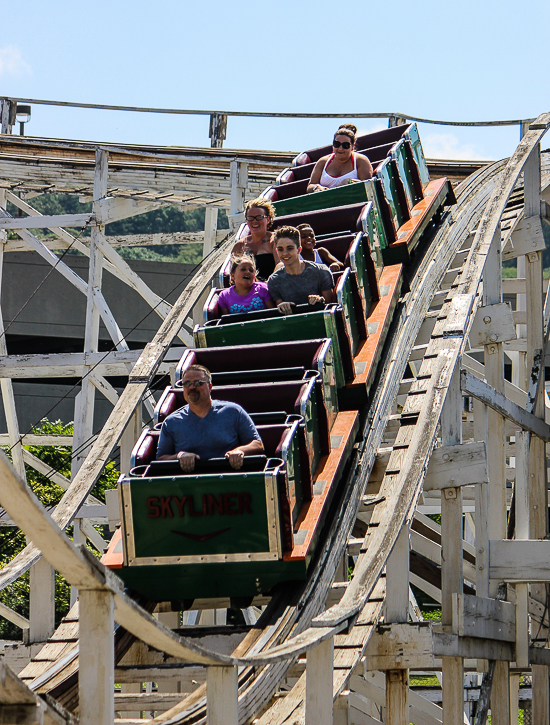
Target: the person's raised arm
(364, 168)
(315, 177)
(330, 260)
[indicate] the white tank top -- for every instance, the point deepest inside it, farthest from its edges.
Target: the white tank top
(329, 181)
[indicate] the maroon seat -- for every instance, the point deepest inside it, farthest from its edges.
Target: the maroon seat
(326, 221)
(303, 398)
(309, 354)
(296, 173)
(273, 437)
(286, 191)
(363, 142)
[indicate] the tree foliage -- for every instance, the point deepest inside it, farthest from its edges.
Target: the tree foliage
(12, 540)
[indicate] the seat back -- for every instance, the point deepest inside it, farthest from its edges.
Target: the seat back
(328, 322)
(363, 141)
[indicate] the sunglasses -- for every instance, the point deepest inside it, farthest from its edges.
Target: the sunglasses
(256, 218)
(193, 384)
(344, 144)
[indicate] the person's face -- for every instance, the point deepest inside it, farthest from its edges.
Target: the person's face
(341, 153)
(244, 276)
(200, 394)
(257, 220)
(287, 250)
(307, 238)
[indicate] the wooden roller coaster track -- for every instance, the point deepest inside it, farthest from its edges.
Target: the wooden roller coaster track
(416, 421)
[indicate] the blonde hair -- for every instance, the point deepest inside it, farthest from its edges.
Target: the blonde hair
(260, 203)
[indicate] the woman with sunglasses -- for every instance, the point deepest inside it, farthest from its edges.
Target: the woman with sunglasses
(259, 214)
(341, 167)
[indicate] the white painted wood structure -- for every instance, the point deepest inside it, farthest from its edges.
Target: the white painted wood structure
(448, 440)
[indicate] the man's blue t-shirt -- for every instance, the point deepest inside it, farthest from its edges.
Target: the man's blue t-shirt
(224, 427)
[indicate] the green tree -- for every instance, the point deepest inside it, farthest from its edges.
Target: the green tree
(12, 540)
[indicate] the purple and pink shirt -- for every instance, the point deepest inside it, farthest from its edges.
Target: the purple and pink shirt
(256, 299)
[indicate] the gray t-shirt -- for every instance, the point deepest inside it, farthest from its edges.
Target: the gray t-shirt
(225, 426)
(297, 287)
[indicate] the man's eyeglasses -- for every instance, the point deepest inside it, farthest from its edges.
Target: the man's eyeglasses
(257, 218)
(344, 144)
(193, 383)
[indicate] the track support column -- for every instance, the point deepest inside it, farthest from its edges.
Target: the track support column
(397, 610)
(96, 678)
(452, 578)
(222, 695)
(319, 684)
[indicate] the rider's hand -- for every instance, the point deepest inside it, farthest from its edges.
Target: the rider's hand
(285, 308)
(313, 299)
(187, 461)
(235, 458)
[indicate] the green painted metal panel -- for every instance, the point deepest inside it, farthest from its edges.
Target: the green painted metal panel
(339, 196)
(400, 157)
(387, 175)
(210, 580)
(172, 516)
(373, 191)
(345, 299)
(414, 138)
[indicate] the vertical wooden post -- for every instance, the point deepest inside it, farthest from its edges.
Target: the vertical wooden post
(84, 410)
(538, 494)
(239, 182)
(397, 702)
(514, 699)
(172, 620)
(42, 601)
(222, 696)
(96, 658)
(319, 684)
(218, 130)
(397, 610)
(129, 438)
(210, 229)
(452, 579)
(522, 532)
(7, 115)
(482, 509)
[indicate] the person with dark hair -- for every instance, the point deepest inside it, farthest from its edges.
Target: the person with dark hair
(344, 166)
(206, 428)
(259, 214)
(311, 253)
(245, 294)
(298, 281)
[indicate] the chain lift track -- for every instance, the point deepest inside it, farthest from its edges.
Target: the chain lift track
(409, 418)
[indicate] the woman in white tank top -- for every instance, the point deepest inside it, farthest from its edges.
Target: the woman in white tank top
(343, 166)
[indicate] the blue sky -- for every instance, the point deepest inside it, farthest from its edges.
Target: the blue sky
(481, 60)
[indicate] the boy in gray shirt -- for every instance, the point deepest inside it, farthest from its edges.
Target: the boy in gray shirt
(299, 281)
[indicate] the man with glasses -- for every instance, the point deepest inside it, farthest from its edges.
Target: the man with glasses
(206, 428)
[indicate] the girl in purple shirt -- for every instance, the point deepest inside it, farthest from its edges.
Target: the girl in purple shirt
(246, 294)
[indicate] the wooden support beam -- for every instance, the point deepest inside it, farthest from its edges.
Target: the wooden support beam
(222, 693)
(500, 404)
(520, 560)
(485, 618)
(319, 701)
(44, 222)
(492, 323)
(96, 682)
(459, 465)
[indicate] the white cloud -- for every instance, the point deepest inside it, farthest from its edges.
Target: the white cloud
(447, 146)
(11, 62)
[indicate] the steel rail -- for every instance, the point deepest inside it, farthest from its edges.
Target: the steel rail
(259, 114)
